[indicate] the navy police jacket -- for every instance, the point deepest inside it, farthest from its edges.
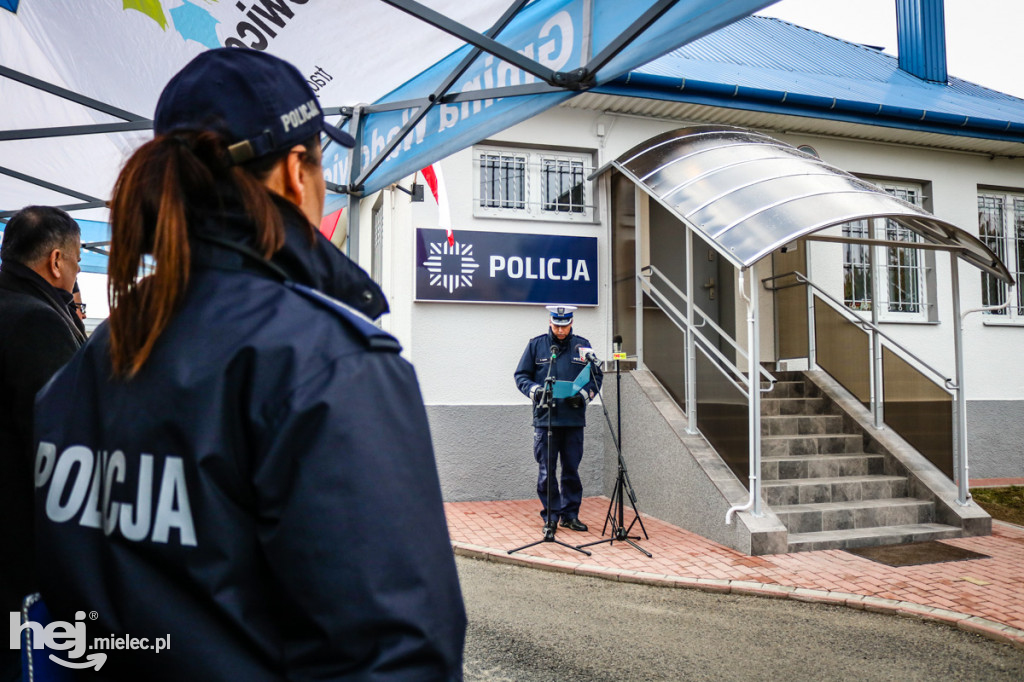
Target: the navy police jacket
(533, 370)
(263, 494)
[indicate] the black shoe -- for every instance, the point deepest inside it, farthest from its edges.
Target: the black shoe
(550, 527)
(574, 524)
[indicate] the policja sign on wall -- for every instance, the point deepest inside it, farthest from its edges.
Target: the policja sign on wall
(505, 267)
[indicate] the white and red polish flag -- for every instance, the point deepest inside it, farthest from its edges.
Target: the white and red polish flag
(329, 223)
(435, 180)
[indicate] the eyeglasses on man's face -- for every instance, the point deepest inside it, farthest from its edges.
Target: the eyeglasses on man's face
(80, 307)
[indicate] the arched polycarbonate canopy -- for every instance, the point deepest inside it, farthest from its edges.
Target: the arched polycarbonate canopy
(749, 194)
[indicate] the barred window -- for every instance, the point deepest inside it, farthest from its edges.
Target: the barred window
(533, 185)
(562, 184)
(503, 181)
(1001, 228)
(377, 253)
(901, 271)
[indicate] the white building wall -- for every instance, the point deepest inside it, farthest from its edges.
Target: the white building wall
(465, 353)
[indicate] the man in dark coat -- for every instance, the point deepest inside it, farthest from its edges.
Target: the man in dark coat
(40, 253)
(565, 354)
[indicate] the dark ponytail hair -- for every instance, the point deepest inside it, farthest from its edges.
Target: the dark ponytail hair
(163, 184)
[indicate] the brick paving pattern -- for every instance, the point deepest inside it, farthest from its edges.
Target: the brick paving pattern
(979, 595)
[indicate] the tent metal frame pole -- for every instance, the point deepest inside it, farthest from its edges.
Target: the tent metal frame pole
(69, 95)
(99, 203)
(352, 239)
(579, 79)
(17, 175)
(428, 103)
(68, 131)
(469, 96)
(480, 40)
(642, 23)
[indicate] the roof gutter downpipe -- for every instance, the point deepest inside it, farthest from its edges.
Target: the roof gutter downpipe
(753, 402)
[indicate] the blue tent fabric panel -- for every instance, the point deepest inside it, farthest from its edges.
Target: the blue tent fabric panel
(94, 231)
(555, 28)
(11, 5)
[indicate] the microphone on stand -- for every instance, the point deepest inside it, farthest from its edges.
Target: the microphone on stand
(617, 353)
(554, 352)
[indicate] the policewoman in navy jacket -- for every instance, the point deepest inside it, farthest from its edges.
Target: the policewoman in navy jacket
(240, 460)
(568, 416)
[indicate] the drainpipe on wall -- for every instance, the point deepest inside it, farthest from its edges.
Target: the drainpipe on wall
(753, 402)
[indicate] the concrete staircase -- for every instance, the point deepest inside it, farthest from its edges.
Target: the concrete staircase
(823, 486)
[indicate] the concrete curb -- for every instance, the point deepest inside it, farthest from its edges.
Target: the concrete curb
(982, 626)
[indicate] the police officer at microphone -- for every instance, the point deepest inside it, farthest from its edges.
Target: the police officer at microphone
(568, 415)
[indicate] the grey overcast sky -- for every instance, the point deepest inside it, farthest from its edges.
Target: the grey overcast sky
(984, 38)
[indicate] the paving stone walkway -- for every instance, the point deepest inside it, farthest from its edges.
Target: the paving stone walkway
(979, 595)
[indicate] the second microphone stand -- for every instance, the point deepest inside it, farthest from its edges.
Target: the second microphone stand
(623, 487)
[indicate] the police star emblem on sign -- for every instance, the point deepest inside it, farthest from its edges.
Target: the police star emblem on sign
(451, 267)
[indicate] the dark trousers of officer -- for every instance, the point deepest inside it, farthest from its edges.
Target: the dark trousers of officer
(566, 446)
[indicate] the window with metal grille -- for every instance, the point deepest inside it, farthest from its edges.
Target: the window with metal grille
(562, 184)
(377, 253)
(503, 181)
(533, 185)
(901, 272)
(1001, 228)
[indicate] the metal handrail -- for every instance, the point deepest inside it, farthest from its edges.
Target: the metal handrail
(706, 344)
(707, 320)
(838, 306)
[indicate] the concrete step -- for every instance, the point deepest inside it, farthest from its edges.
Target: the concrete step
(845, 489)
(871, 537)
(811, 444)
(792, 425)
(821, 466)
(772, 407)
(830, 516)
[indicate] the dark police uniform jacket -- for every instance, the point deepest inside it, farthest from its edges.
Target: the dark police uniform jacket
(533, 369)
(263, 492)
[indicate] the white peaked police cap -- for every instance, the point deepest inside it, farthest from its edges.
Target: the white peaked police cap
(561, 315)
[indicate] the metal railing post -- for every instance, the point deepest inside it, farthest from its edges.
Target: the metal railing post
(812, 338)
(876, 345)
(691, 341)
(963, 494)
(754, 364)
(638, 266)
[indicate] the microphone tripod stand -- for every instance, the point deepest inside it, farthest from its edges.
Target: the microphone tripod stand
(623, 487)
(548, 400)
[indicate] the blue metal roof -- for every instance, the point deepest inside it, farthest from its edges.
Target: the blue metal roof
(766, 64)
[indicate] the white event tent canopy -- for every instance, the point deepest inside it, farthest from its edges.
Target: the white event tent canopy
(414, 82)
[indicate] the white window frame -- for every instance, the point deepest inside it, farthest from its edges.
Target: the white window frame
(1006, 239)
(519, 178)
(889, 273)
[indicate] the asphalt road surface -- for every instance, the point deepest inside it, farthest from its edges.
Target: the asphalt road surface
(532, 625)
